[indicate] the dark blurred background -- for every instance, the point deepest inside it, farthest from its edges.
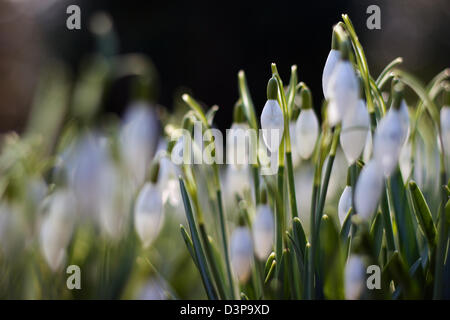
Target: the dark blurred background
(202, 45)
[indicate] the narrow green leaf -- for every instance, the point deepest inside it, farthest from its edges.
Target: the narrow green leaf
(423, 214)
(270, 273)
(376, 232)
(188, 241)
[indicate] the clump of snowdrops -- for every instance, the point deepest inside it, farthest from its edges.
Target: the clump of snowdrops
(366, 186)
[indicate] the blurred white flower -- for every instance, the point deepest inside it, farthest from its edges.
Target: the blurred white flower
(148, 213)
(138, 139)
(238, 144)
(263, 231)
(404, 117)
(272, 125)
(345, 203)
(355, 127)
(445, 129)
(368, 189)
(332, 60)
(296, 158)
(307, 128)
(154, 289)
(388, 141)
(355, 273)
(237, 181)
(57, 227)
(114, 203)
(168, 182)
(241, 252)
(367, 153)
(343, 91)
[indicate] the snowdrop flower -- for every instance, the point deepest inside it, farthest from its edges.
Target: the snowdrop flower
(241, 252)
(389, 137)
(148, 213)
(138, 139)
(57, 227)
(263, 231)
(355, 127)
(307, 126)
(445, 128)
(355, 273)
(115, 200)
(345, 203)
(368, 189)
(296, 158)
(343, 88)
(272, 122)
(332, 60)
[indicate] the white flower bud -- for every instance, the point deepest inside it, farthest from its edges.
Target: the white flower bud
(307, 128)
(332, 60)
(343, 92)
(272, 125)
(445, 129)
(367, 153)
(345, 203)
(138, 139)
(241, 252)
(355, 273)
(148, 213)
(388, 141)
(57, 227)
(368, 189)
(355, 127)
(263, 231)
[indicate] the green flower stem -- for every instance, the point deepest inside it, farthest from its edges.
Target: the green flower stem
(385, 74)
(199, 112)
(280, 218)
(286, 133)
(256, 184)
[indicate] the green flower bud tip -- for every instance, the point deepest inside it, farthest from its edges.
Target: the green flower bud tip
(272, 89)
(238, 114)
(306, 98)
(345, 48)
(397, 95)
(338, 30)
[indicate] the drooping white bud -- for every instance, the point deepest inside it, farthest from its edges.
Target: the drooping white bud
(307, 128)
(355, 272)
(148, 213)
(345, 203)
(57, 227)
(241, 252)
(388, 141)
(272, 125)
(343, 92)
(138, 139)
(296, 158)
(355, 127)
(368, 189)
(332, 60)
(367, 153)
(445, 129)
(263, 231)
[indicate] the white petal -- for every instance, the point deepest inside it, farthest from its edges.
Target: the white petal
(388, 141)
(345, 203)
(241, 253)
(445, 129)
(330, 64)
(355, 127)
(367, 154)
(405, 161)
(272, 125)
(263, 231)
(343, 91)
(355, 272)
(404, 117)
(368, 189)
(307, 128)
(148, 213)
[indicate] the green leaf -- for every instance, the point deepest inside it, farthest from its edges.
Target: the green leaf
(403, 217)
(202, 264)
(346, 225)
(376, 232)
(249, 109)
(332, 260)
(423, 214)
(189, 245)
